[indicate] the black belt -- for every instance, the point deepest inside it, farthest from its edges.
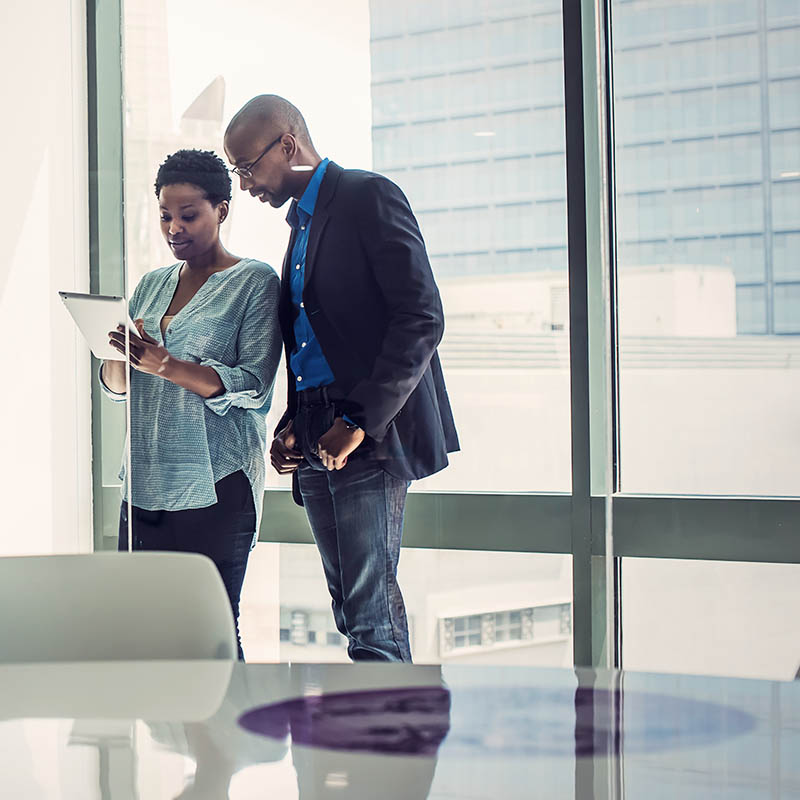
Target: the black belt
(321, 396)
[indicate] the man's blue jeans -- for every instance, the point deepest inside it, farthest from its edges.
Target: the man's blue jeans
(356, 515)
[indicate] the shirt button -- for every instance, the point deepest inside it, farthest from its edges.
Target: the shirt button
(303, 344)
(297, 266)
(299, 377)
(302, 227)
(302, 305)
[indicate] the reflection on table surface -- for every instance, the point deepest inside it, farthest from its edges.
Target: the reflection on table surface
(228, 730)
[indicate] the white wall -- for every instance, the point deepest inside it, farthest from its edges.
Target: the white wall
(45, 434)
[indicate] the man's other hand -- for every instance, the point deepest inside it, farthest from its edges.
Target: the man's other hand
(336, 445)
(285, 459)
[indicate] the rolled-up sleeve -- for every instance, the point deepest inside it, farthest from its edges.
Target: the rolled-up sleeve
(133, 311)
(249, 382)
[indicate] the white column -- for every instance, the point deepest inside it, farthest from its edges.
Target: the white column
(45, 433)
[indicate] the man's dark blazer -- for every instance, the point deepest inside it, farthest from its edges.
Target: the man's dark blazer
(373, 304)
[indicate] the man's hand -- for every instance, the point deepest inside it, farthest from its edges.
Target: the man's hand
(147, 355)
(282, 454)
(335, 445)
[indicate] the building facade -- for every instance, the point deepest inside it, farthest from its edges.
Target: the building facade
(468, 115)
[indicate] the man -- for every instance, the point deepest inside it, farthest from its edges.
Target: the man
(367, 406)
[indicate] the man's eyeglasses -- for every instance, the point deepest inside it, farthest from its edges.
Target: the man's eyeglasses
(247, 172)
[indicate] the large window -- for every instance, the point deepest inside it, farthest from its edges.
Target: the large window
(476, 142)
(706, 394)
(668, 380)
(708, 375)
(713, 618)
(469, 120)
(463, 607)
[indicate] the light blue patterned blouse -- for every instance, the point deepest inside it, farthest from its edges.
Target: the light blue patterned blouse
(182, 443)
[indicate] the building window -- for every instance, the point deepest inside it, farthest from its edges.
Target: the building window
(559, 308)
(751, 309)
(785, 249)
(787, 308)
(550, 622)
(514, 627)
(467, 631)
(508, 626)
(299, 628)
(566, 619)
(784, 102)
(309, 627)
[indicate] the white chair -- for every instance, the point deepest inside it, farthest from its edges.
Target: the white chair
(113, 607)
(153, 690)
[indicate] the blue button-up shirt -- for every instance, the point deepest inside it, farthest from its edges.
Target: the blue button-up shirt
(307, 361)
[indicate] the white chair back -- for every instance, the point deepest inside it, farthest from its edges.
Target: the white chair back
(112, 607)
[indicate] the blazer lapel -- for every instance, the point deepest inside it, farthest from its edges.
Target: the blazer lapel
(321, 216)
(318, 223)
(287, 258)
(285, 300)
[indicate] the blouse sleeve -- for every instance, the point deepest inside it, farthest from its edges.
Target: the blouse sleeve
(133, 307)
(249, 382)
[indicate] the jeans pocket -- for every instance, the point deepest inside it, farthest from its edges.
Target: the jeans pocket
(322, 421)
(311, 423)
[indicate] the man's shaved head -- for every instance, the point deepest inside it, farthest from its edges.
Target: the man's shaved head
(268, 143)
(272, 112)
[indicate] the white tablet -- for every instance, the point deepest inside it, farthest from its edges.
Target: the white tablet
(96, 315)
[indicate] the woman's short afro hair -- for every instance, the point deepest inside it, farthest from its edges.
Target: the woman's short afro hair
(202, 168)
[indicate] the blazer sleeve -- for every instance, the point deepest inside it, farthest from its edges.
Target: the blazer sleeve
(289, 413)
(286, 322)
(399, 263)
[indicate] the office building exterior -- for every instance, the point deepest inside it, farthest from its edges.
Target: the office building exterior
(468, 116)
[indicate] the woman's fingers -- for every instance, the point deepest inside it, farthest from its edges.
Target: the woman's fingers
(142, 332)
(119, 337)
(136, 350)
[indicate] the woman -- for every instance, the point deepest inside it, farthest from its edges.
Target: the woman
(204, 365)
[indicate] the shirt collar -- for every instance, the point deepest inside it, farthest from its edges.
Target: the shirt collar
(308, 202)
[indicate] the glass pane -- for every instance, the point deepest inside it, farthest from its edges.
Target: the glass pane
(463, 607)
(711, 617)
(708, 210)
(470, 123)
(463, 109)
(465, 114)
(787, 308)
(173, 101)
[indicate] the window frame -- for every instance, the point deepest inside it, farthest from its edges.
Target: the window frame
(595, 516)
